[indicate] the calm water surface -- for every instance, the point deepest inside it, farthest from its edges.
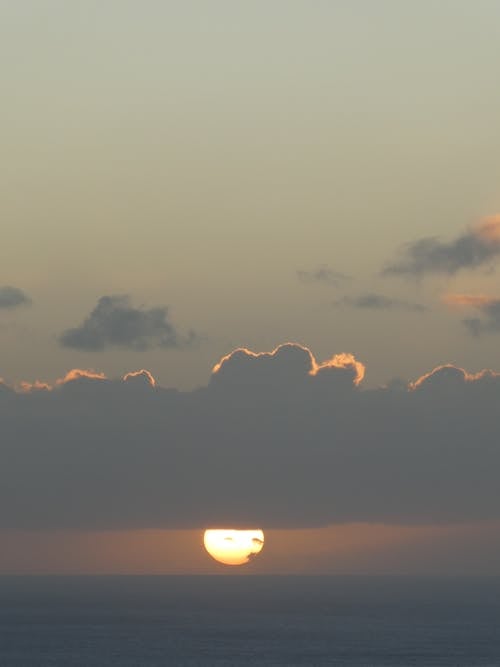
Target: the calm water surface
(254, 620)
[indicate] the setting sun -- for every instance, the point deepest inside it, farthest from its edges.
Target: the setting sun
(233, 547)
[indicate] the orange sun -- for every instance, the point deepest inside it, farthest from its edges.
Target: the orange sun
(233, 547)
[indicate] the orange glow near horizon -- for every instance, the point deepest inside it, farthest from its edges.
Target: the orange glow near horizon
(340, 548)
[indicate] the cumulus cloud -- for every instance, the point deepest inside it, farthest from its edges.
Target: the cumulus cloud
(12, 297)
(323, 275)
(488, 307)
(287, 365)
(115, 322)
(476, 247)
(374, 301)
(275, 439)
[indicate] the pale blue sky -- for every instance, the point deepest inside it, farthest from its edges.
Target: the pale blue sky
(197, 154)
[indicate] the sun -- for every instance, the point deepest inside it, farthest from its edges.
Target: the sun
(233, 547)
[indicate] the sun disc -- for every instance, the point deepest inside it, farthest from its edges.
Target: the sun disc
(233, 547)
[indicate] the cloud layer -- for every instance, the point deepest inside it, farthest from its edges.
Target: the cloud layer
(275, 439)
(115, 322)
(474, 248)
(12, 297)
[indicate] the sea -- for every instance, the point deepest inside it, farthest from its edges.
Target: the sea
(194, 621)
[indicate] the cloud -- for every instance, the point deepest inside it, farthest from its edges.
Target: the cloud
(80, 374)
(449, 378)
(474, 248)
(12, 297)
(374, 301)
(489, 308)
(34, 386)
(287, 364)
(323, 275)
(115, 322)
(142, 376)
(275, 439)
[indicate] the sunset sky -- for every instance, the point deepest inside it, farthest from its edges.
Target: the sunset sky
(182, 179)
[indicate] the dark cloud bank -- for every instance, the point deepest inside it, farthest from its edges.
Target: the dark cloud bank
(274, 440)
(115, 322)
(12, 297)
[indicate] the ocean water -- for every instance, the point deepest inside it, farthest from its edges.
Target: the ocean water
(249, 620)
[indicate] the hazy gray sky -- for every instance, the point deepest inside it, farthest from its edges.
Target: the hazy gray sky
(179, 179)
(197, 155)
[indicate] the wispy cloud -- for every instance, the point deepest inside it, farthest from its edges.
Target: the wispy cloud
(12, 297)
(472, 249)
(374, 301)
(323, 274)
(115, 322)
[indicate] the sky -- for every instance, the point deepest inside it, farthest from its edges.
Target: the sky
(183, 179)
